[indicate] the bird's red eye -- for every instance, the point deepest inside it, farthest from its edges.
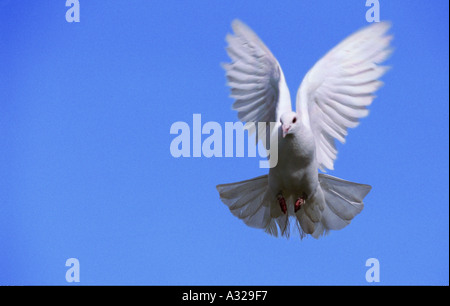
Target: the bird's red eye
(294, 120)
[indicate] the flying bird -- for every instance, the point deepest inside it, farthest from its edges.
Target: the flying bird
(332, 97)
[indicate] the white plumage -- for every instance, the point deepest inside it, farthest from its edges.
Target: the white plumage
(332, 97)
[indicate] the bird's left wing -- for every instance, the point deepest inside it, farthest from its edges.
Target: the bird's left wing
(335, 93)
(255, 77)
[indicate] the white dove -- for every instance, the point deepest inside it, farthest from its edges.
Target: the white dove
(332, 97)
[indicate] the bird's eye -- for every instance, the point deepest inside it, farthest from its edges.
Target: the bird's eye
(294, 120)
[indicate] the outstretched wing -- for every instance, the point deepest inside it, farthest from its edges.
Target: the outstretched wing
(335, 93)
(255, 77)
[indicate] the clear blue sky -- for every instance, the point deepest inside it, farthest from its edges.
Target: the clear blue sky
(85, 115)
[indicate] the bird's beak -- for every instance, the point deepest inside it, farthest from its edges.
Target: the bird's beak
(285, 128)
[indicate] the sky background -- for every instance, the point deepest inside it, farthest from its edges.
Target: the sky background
(85, 116)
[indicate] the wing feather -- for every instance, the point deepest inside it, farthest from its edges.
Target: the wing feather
(336, 92)
(255, 77)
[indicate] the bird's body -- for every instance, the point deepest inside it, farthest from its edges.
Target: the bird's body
(332, 97)
(296, 170)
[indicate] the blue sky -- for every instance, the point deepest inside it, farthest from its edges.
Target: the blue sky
(85, 114)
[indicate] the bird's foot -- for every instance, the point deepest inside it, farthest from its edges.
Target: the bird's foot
(282, 203)
(300, 202)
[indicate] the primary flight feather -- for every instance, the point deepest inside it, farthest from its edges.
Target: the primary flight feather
(332, 97)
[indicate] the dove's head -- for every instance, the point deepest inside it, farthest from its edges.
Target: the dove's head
(289, 123)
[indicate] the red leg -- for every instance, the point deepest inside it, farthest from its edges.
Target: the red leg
(300, 201)
(282, 203)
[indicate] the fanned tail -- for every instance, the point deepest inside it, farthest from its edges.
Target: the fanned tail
(333, 208)
(343, 201)
(248, 201)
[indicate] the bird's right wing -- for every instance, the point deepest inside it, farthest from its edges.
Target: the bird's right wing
(256, 79)
(335, 93)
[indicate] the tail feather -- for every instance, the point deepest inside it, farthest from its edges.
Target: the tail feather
(344, 200)
(309, 217)
(246, 201)
(333, 208)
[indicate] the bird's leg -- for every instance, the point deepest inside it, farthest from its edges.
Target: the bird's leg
(282, 203)
(300, 201)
